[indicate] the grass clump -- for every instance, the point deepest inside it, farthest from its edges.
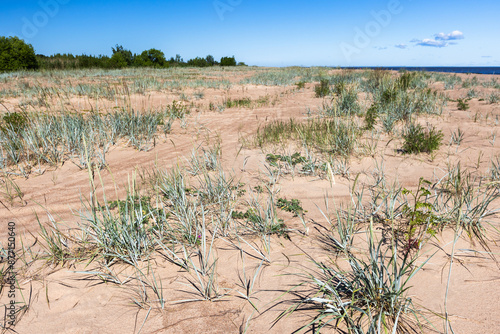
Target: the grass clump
(493, 98)
(420, 140)
(371, 296)
(335, 136)
(126, 234)
(238, 103)
(29, 140)
(346, 100)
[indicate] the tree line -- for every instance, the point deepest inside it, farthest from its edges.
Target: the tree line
(16, 55)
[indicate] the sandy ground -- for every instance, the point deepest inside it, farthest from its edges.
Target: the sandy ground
(64, 300)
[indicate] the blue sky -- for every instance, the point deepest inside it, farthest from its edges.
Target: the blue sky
(267, 33)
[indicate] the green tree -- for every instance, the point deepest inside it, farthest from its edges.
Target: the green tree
(118, 60)
(125, 54)
(153, 57)
(228, 61)
(210, 60)
(16, 55)
(198, 62)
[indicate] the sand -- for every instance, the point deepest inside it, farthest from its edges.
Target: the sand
(62, 299)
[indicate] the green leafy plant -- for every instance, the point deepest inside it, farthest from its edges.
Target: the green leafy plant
(292, 205)
(419, 216)
(292, 160)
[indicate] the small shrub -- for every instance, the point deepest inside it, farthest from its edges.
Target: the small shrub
(14, 121)
(323, 89)
(419, 140)
(301, 85)
(135, 206)
(371, 117)
(462, 104)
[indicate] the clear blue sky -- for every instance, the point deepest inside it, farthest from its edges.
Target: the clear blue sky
(267, 33)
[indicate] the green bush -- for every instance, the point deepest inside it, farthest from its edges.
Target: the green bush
(16, 55)
(14, 121)
(420, 140)
(371, 117)
(323, 89)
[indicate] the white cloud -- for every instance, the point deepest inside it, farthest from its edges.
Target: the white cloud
(440, 40)
(432, 43)
(401, 46)
(451, 36)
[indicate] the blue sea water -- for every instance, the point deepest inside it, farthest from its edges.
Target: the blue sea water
(448, 69)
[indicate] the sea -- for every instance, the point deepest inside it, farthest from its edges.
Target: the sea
(447, 69)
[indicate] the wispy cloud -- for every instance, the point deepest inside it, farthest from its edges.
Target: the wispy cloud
(401, 46)
(432, 43)
(381, 47)
(440, 40)
(451, 36)
(486, 57)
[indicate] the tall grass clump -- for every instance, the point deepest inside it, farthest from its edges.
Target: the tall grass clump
(450, 81)
(398, 98)
(335, 136)
(345, 101)
(182, 204)
(466, 201)
(279, 77)
(125, 232)
(371, 296)
(30, 140)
